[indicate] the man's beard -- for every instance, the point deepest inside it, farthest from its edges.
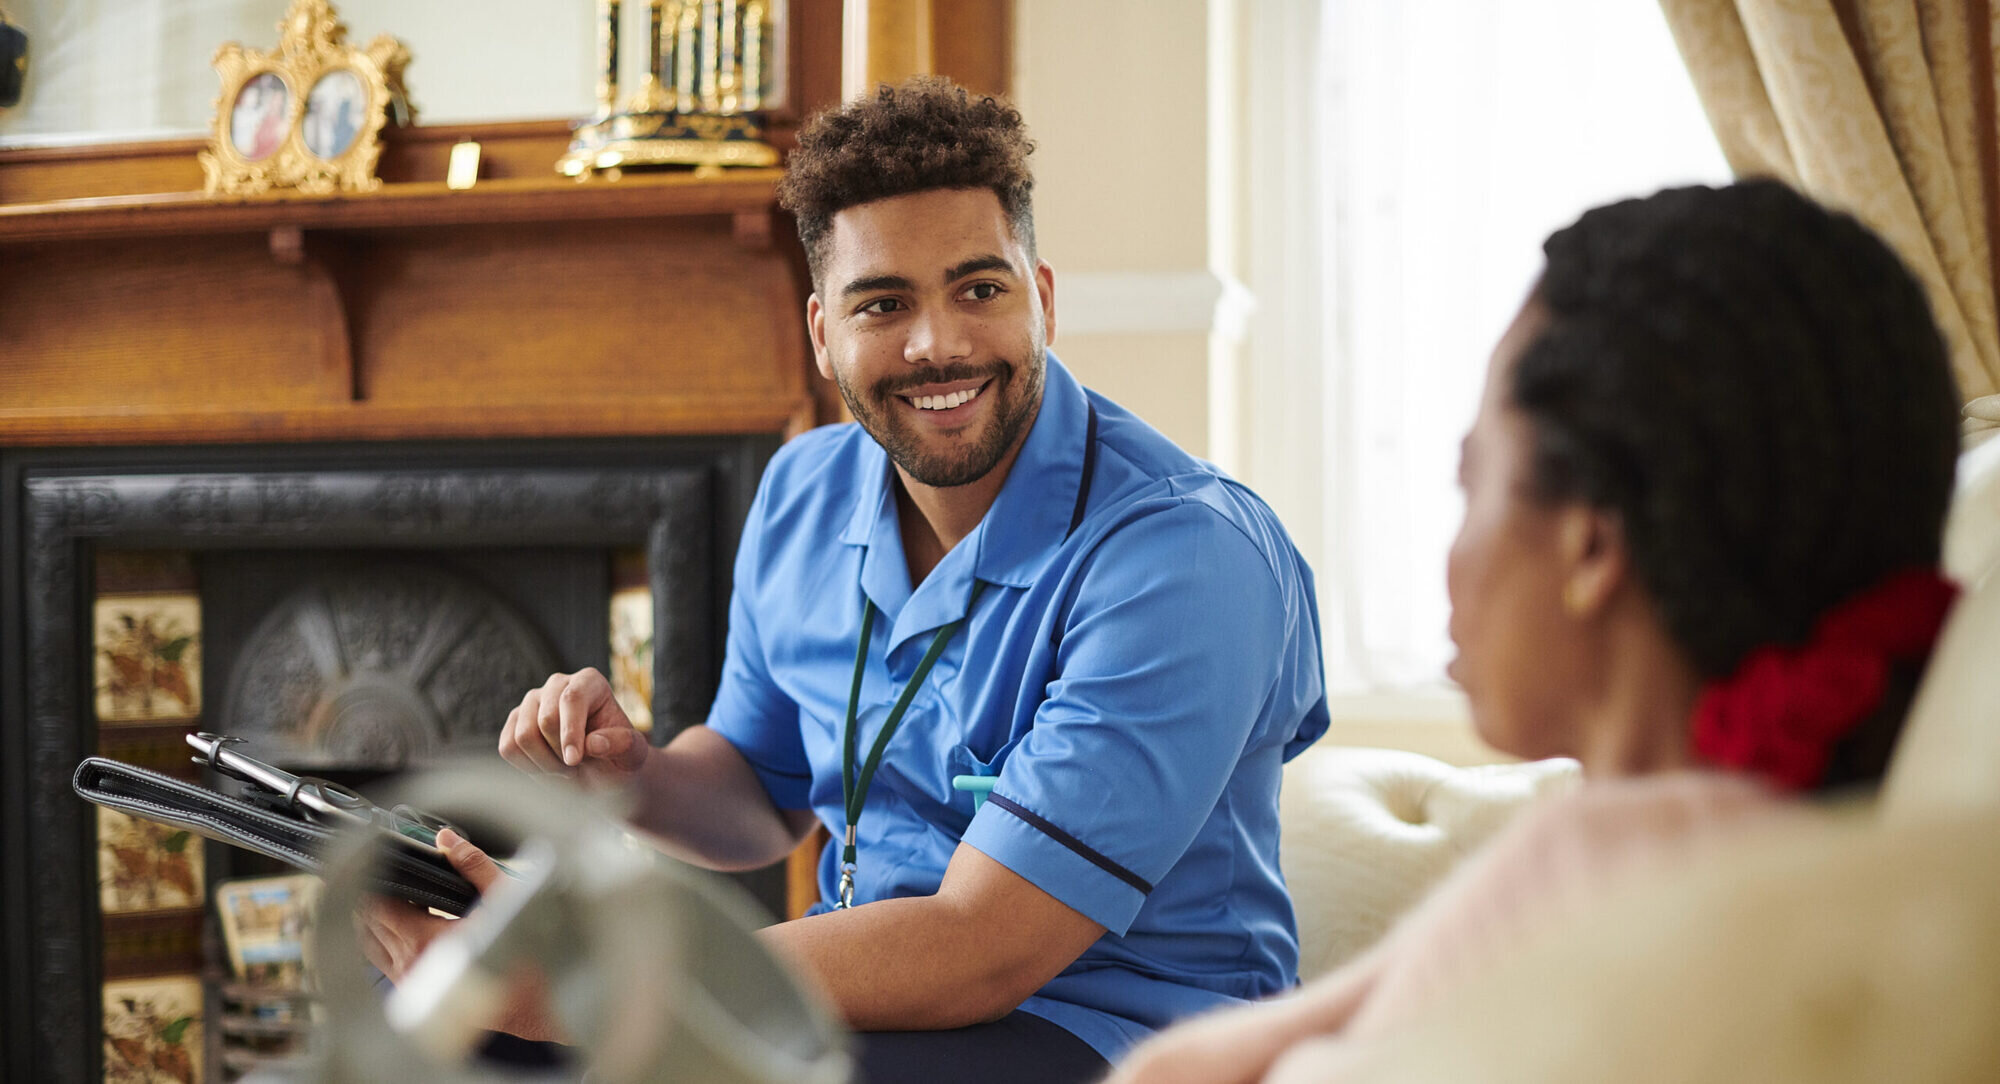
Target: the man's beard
(1016, 391)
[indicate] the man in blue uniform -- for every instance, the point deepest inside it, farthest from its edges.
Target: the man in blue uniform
(993, 573)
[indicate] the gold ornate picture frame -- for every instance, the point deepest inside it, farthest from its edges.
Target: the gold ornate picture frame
(308, 115)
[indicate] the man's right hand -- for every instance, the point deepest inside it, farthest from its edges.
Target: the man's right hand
(572, 725)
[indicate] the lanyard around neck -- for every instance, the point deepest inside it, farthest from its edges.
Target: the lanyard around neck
(855, 789)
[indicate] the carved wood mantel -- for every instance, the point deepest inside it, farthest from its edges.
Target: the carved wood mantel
(527, 306)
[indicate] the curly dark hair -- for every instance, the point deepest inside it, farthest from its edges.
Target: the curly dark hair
(926, 134)
(1755, 386)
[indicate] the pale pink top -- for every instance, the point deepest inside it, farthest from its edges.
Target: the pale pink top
(1552, 863)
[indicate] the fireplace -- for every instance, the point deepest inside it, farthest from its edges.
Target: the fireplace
(367, 608)
(455, 403)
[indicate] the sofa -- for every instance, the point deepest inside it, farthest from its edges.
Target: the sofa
(1863, 945)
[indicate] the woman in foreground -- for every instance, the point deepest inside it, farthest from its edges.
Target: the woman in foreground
(1704, 495)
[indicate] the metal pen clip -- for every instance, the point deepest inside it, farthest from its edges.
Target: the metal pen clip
(317, 798)
(217, 755)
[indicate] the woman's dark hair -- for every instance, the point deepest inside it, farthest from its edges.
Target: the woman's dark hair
(1755, 386)
(926, 134)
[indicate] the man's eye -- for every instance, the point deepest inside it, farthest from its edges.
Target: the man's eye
(983, 291)
(882, 305)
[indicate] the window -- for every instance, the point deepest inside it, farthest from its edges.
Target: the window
(1446, 138)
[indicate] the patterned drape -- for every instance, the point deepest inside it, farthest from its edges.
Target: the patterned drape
(1884, 108)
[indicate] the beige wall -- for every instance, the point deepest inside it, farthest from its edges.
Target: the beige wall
(1157, 375)
(1146, 165)
(1116, 96)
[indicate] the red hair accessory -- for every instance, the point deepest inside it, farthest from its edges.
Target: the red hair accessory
(1783, 709)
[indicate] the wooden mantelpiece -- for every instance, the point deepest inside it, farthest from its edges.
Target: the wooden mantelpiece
(528, 306)
(744, 194)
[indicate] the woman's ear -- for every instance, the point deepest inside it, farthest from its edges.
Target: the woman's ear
(1595, 558)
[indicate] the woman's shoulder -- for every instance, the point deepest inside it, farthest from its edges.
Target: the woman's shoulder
(1667, 802)
(1630, 821)
(1564, 850)
(1573, 845)
(1551, 864)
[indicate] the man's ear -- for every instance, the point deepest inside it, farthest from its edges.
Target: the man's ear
(1596, 558)
(1045, 286)
(816, 331)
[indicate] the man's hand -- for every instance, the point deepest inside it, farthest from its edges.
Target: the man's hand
(572, 725)
(393, 933)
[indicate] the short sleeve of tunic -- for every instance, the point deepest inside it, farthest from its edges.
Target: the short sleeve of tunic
(750, 710)
(1175, 644)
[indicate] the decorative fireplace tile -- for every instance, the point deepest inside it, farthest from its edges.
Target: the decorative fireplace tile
(152, 1030)
(148, 657)
(145, 866)
(632, 653)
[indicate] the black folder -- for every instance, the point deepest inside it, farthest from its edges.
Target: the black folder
(272, 825)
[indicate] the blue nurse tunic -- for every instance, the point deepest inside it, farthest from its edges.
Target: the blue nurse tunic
(1135, 672)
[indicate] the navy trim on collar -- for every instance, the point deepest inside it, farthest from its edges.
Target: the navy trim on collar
(1038, 506)
(1036, 509)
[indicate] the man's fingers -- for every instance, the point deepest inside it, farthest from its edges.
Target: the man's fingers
(531, 750)
(372, 946)
(392, 934)
(622, 747)
(471, 863)
(581, 698)
(548, 717)
(552, 730)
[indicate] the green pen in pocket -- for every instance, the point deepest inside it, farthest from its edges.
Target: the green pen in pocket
(978, 785)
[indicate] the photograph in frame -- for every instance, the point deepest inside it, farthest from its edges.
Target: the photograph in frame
(259, 118)
(335, 109)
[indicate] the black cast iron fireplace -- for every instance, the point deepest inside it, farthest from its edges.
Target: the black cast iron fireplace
(372, 608)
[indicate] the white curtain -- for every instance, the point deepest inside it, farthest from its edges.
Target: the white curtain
(1453, 136)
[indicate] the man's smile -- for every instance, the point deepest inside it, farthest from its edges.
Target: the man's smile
(945, 401)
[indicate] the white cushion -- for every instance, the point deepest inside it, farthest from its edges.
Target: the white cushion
(1972, 529)
(1949, 754)
(1366, 832)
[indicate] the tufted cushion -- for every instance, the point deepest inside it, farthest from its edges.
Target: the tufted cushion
(1366, 832)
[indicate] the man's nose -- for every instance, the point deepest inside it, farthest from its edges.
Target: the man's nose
(938, 336)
